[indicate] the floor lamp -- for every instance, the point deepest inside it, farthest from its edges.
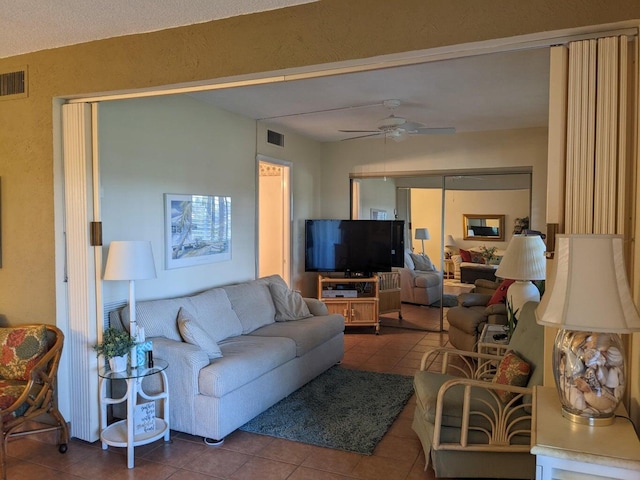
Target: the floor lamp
(130, 260)
(422, 234)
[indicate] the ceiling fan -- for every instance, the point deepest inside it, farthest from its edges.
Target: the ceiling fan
(398, 128)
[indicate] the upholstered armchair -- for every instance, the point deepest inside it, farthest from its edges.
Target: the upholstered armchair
(28, 374)
(485, 304)
(474, 416)
(420, 283)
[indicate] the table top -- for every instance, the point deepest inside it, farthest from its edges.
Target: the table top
(613, 445)
(489, 331)
(158, 366)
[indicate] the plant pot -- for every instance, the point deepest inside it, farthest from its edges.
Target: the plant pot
(118, 364)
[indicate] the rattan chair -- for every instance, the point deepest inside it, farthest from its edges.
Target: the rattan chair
(22, 401)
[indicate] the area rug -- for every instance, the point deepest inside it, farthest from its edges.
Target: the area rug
(448, 300)
(342, 408)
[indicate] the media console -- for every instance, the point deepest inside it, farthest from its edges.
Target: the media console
(356, 298)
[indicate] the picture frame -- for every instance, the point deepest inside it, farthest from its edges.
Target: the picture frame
(378, 214)
(197, 229)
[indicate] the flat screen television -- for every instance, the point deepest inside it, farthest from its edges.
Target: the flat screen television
(354, 247)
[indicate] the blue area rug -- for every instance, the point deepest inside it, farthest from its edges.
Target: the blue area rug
(448, 300)
(343, 409)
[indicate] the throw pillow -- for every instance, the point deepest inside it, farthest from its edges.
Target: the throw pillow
(408, 262)
(465, 255)
(20, 350)
(476, 257)
(422, 262)
(193, 334)
(511, 371)
(501, 292)
(289, 304)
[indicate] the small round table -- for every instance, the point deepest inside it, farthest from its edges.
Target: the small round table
(123, 433)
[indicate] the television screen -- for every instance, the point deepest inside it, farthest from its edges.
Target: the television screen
(353, 246)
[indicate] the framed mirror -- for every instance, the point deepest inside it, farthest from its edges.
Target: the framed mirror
(483, 227)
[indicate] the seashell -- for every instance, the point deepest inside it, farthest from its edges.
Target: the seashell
(592, 380)
(614, 357)
(578, 340)
(591, 341)
(576, 399)
(604, 403)
(593, 357)
(612, 380)
(582, 385)
(603, 342)
(602, 374)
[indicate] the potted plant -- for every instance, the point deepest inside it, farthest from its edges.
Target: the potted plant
(116, 345)
(489, 254)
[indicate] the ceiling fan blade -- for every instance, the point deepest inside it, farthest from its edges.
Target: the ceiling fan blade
(363, 136)
(359, 131)
(434, 131)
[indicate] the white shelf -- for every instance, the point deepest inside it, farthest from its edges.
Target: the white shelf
(116, 434)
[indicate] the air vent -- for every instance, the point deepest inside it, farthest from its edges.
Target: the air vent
(275, 138)
(13, 84)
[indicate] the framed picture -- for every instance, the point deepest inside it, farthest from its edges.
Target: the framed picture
(197, 229)
(377, 214)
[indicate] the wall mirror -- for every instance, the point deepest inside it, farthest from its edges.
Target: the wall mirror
(483, 227)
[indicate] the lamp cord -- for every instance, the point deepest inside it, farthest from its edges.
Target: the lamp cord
(635, 429)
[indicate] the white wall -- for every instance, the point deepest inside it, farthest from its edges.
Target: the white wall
(379, 194)
(174, 144)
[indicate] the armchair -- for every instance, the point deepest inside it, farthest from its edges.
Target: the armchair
(28, 374)
(474, 311)
(476, 423)
(420, 283)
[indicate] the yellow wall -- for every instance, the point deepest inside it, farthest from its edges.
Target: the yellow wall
(326, 31)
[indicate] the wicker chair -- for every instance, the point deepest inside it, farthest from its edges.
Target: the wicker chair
(30, 394)
(466, 427)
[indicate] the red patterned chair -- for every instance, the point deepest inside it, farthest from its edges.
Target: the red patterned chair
(29, 359)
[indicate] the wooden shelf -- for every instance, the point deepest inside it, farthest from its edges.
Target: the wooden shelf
(359, 302)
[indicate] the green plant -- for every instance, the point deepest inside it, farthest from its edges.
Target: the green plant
(488, 253)
(512, 320)
(115, 343)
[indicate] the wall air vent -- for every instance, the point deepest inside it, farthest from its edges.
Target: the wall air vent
(275, 138)
(13, 84)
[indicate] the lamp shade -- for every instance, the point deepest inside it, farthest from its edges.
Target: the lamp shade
(422, 234)
(524, 259)
(449, 241)
(130, 260)
(589, 291)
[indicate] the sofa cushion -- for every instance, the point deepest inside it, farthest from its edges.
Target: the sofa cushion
(20, 350)
(408, 261)
(307, 333)
(422, 262)
(193, 334)
(158, 317)
(252, 303)
(472, 299)
(245, 358)
(465, 255)
(213, 313)
(426, 279)
(289, 304)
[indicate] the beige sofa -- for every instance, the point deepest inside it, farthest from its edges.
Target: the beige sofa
(236, 350)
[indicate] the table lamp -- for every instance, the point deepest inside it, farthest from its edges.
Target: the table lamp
(130, 260)
(523, 261)
(422, 234)
(590, 302)
(449, 242)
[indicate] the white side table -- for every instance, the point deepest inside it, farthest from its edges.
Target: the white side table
(565, 449)
(487, 344)
(121, 433)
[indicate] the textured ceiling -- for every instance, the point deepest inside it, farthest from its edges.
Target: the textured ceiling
(33, 25)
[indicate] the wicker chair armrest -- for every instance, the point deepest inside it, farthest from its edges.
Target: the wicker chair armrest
(461, 362)
(506, 420)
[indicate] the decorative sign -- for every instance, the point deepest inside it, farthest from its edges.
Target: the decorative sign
(144, 418)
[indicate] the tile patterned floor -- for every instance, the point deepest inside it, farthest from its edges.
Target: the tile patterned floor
(244, 455)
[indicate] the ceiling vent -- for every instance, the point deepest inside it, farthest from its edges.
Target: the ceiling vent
(13, 84)
(275, 138)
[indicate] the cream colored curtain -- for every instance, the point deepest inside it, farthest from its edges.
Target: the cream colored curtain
(599, 148)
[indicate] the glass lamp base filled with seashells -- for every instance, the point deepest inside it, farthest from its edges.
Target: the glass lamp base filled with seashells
(589, 370)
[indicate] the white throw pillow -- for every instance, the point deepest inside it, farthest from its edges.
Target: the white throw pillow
(289, 304)
(193, 334)
(408, 261)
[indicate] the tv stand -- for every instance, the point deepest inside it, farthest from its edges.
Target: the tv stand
(355, 298)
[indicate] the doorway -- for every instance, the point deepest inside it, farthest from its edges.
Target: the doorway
(274, 218)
